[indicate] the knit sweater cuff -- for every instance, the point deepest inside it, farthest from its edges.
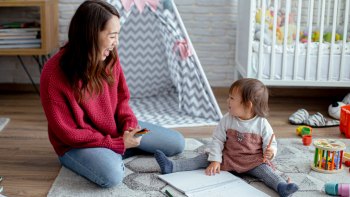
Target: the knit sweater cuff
(118, 145)
(130, 124)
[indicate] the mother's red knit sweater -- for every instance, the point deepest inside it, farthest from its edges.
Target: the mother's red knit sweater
(98, 121)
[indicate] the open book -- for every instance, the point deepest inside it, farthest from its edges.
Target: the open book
(197, 183)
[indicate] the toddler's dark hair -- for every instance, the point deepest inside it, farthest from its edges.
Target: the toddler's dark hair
(254, 91)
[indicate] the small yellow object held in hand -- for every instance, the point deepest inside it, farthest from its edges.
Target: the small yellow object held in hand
(141, 132)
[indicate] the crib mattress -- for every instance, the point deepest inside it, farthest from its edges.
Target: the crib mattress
(325, 47)
(325, 69)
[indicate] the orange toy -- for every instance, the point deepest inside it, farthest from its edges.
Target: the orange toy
(307, 140)
(344, 126)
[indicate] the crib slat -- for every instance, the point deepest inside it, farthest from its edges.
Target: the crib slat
(338, 12)
(261, 43)
(319, 61)
(273, 44)
(331, 57)
(311, 11)
(328, 12)
(346, 20)
(297, 41)
(319, 12)
(285, 40)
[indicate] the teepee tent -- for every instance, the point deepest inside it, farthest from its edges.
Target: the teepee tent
(166, 81)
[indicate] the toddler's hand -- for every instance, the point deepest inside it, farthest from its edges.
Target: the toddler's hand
(213, 168)
(269, 153)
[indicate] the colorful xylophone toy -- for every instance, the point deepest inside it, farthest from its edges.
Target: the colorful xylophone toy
(328, 156)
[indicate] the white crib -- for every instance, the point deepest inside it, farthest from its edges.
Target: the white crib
(294, 42)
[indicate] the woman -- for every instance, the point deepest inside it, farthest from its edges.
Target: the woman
(85, 98)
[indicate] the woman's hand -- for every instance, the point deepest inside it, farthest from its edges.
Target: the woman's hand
(269, 153)
(129, 140)
(213, 168)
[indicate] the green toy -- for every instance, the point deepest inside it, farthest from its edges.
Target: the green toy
(327, 37)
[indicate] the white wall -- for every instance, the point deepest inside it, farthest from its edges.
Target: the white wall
(210, 24)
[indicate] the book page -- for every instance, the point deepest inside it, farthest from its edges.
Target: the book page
(197, 183)
(237, 188)
(188, 181)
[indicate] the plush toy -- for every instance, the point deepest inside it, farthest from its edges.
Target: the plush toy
(279, 35)
(268, 17)
(327, 37)
(315, 36)
(267, 27)
(292, 28)
(267, 36)
(303, 36)
(334, 108)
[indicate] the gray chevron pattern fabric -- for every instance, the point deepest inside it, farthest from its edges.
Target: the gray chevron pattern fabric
(141, 55)
(164, 110)
(165, 89)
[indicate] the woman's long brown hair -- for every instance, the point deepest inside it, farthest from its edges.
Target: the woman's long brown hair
(80, 61)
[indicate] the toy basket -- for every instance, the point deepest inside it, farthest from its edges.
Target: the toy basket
(345, 120)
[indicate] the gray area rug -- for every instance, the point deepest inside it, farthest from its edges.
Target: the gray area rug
(3, 123)
(293, 160)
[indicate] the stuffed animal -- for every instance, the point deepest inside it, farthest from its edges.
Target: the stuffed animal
(267, 28)
(327, 37)
(334, 108)
(292, 28)
(303, 36)
(315, 36)
(267, 34)
(268, 17)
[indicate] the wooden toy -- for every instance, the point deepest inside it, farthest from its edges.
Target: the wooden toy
(328, 156)
(347, 163)
(346, 157)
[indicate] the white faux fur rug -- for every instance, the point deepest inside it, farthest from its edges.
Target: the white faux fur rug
(3, 123)
(293, 160)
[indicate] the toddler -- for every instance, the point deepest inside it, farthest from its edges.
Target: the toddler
(243, 142)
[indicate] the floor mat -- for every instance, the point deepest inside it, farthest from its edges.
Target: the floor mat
(292, 160)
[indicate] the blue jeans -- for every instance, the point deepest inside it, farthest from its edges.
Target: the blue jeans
(106, 168)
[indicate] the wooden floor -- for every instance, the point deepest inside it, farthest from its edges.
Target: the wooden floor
(29, 164)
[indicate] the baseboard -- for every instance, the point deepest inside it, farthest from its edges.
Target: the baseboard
(310, 92)
(336, 93)
(17, 88)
